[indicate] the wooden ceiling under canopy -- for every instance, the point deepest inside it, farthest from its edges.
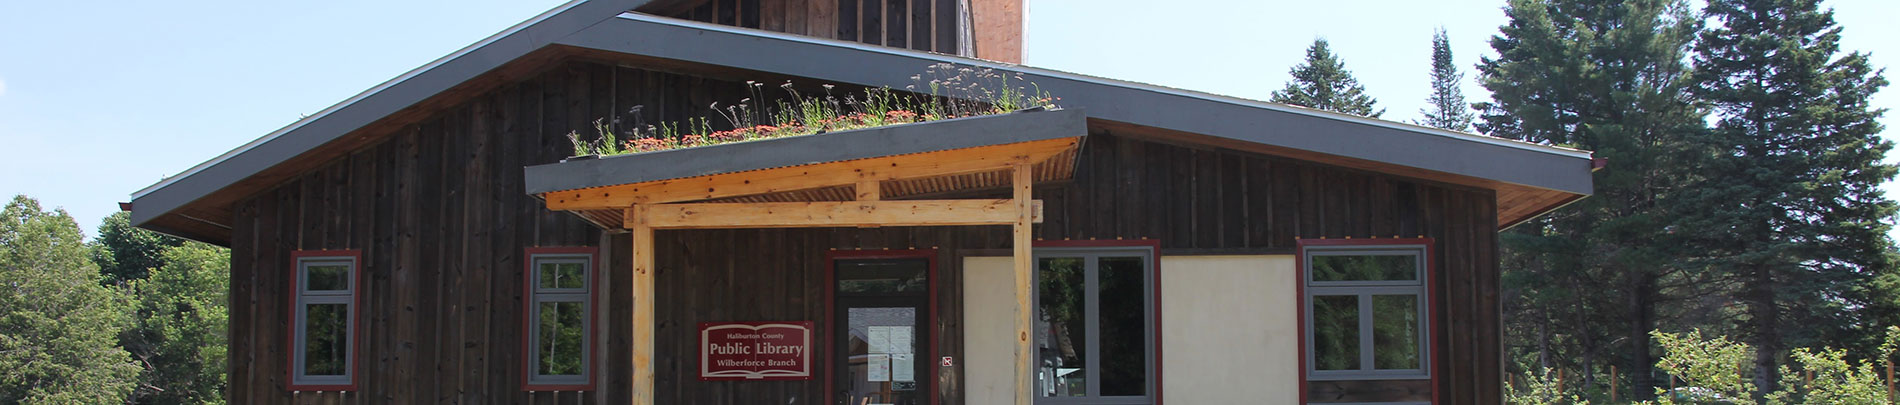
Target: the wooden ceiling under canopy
(833, 193)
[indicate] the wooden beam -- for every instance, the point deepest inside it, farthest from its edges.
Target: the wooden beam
(643, 320)
(1022, 178)
(835, 213)
(959, 161)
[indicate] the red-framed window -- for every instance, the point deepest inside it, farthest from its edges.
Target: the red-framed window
(560, 287)
(1366, 310)
(325, 311)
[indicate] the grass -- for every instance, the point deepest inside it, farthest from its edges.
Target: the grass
(943, 91)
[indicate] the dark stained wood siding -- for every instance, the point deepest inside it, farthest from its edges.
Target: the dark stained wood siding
(924, 25)
(440, 216)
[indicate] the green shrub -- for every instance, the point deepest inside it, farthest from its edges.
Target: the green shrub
(1720, 371)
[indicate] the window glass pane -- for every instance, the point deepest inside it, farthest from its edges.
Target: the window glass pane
(1064, 344)
(560, 330)
(326, 339)
(327, 277)
(882, 276)
(1365, 268)
(1335, 332)
(1395, 344)
(563, 275)
(1124, 323)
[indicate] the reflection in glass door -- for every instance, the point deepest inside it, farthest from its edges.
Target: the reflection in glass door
(880, 355)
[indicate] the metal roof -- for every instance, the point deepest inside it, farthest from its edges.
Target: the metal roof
(605, 25)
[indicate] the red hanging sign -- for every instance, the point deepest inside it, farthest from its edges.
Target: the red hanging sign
(755, 351)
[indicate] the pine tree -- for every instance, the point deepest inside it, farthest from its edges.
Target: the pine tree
(1446, 107)
(1796, 217)
(1607, 76)
(1323, 83)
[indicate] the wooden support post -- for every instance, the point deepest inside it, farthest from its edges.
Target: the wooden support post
(868, 190)
(1025, 269)
(643, 321)
(1612, 383)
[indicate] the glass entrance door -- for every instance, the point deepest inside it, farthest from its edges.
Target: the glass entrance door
(882, 331)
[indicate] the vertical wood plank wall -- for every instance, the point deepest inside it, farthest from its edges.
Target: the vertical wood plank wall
(439, 213)
(924, 25)
(440, 216)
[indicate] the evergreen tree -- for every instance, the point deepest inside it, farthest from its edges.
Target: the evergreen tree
(58, 325)
(1446, 107)
(180, 335)
(1797, 215)
(1607, 76)
(125, 253)
(1323, 83)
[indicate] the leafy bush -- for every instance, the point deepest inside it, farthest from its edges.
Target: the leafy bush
(1721, 371)
(1541, 389)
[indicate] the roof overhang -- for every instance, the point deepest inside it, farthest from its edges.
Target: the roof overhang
(1531, 179)
(909, 160)
(168, 206)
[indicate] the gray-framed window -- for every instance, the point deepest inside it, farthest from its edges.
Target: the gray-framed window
(560, 319)
(1095, 325)
(1367, 311)
(323, 336)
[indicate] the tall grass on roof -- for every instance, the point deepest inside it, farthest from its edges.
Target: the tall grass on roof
(943, 91)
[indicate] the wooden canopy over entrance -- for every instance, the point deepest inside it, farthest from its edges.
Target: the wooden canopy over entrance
(1019, 150)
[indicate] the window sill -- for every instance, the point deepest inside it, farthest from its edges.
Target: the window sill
(1359, 376)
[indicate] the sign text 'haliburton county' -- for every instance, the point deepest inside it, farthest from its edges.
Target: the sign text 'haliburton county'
(755, 350)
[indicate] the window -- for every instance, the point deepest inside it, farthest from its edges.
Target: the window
(323, 303)
(1095, 321)
(559, 319)
(1366, 309)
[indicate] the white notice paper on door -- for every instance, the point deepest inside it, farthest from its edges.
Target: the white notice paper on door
(877, 367)
(880, 339)
(903, 368)
(900, 339)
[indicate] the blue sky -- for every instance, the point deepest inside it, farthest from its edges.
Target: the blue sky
(100, 99)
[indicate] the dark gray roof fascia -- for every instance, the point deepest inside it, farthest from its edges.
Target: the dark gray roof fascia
(1024, 126)
(371, 105)
(1233, 118)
